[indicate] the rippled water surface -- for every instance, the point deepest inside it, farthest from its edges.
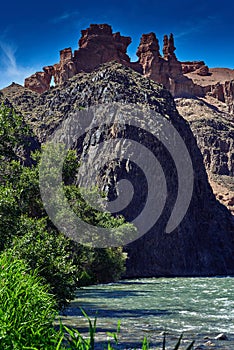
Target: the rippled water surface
(198, 307)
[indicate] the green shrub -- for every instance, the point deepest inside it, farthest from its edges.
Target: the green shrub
(14, 133)
(48, 253)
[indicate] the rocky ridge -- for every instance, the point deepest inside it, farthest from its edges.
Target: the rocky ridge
(203, 244)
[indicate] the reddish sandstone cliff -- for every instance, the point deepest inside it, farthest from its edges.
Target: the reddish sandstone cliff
(98, 45)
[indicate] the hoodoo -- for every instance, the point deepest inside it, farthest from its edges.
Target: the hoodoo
(98, 44)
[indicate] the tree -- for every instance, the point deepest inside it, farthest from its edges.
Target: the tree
(27, 231)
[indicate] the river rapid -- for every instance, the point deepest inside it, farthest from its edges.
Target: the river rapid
(200, 308)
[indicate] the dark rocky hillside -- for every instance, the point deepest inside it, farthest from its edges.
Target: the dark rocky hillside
(203, 243)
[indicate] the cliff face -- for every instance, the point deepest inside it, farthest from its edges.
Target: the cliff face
(203, 243)
(214, 131)
(213, 128)
(218, 83)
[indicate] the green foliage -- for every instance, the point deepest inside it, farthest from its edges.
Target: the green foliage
(108, 265)
(48, 253)
(9, 213)
(13, 132)
(114, 336)
(65, 264)
(75, 339)
(26, 229)
(70, 167)
(27, 310)
(118, 229)
(145, 344)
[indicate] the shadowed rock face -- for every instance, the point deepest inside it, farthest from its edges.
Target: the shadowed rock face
(214, 131)
(203, 243)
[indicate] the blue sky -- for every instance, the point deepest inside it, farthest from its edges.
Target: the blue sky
(32, 33)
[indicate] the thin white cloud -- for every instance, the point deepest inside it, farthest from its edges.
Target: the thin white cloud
(65, 16)
(9, 69)
(188, 31)
(196, 27)
(8, 56)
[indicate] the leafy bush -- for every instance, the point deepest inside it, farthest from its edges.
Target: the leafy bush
(26, 229)
(8, 215)
(16, 138)
(48, 253)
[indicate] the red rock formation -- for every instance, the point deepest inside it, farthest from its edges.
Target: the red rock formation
(38, 82)
(66, 55)
(171, 46)
(229, 95)
(168, 47)
(98, 45)
(165, 46)
(203, 71)
(217, 92)
(166, 70)
(49, 70)
(66, 68)
(224, 92)
(188, 67)
(150, 59)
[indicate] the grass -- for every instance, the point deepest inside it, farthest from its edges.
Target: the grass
(27, 310)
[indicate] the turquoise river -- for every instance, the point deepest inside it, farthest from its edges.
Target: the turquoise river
(200, 308)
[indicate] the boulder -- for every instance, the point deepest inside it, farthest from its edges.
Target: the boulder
(221, 336)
